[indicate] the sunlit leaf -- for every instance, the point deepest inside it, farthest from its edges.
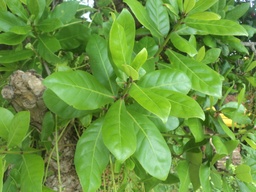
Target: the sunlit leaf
(205, 16)
(243, 172)
(78, 89)
(188, 5)
(118, 132)
(140, 59)
(91, 157)
(5, 122)
(202, 5)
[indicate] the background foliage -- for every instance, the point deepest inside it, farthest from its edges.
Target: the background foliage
(146, 81)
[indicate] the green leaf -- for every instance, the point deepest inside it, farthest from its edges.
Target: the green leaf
(59, 107)
(251, 66)
(78, 89)
(204, 175)
(140, 59)
(91, 157)
(154, 103)
(196, 128)
(16, 7)
(118, 132)
(204, 16)
(143, 17)
(151, 146)
(130, 72)
(65, 11)
(47, 46)
(226, 129)
(9, 20)
(36, 8)
(211, 56)
(184, 106)
(238, 11)
(158, 14)
(188, 5)
(201, 54)
(18, 128)
(3, 5)
(2, 171)
(11, 38)
(102, 69)
(251, 143)
(48, 126)
(49, 25)
(219, 145)
(241, 95)
(32, 172)
(120, 42)
(202, 5)
(243, 172)
(70, 37)
(217, 27)
(183, 173)
(203, 78)
(5, 122)
(166, 79)
(182, 44)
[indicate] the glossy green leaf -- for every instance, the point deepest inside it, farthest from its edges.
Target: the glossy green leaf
(219, 145)
(238, 11)
(18, 128)
(154, 103)
(16, 7)
(203, 78)
(89, 94)
(65, 11)
(14, 56)
(204, 175)
(196, 128)
(5, 122)
(3, 5)
(183, 173)
(49, 25)
(11, 38)
(121, 39)
(140, 59)
(47, 47)
(201, 54)
(211, 56)
(97, 50)
(59, 107)
(36, 8)
(130, 72)
(158, 14)
(143, 17)
(182, 44)
(118, 132)
(217, 27)
(32, 172)
(243, 172)
(202, 5)
(194, 159)
(188, 5)
(166, 79)
(91, 157)
(9, 20)
(184, 106)
(151, 145)
(172, 9)
(70, 37)
(204, 16)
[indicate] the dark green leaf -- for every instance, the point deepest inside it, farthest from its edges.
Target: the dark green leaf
(118, 132)
(48, 126)
(59, 107)
(154, 103)
(166, 79)
(11, 38)
(217, 27)
(238, 11)
(47, 46)
(91, 157)
(183, 173)
(143, 17)
(65, 11)
(36, 8)
(102, 69)
(158, 14)
(16, 7)
(78, 89)
(203, 78)
(18, 128)
(49, 25)
(32, 172)
(14, 56)
(5, 122)
(196, 128)
(151, 146)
